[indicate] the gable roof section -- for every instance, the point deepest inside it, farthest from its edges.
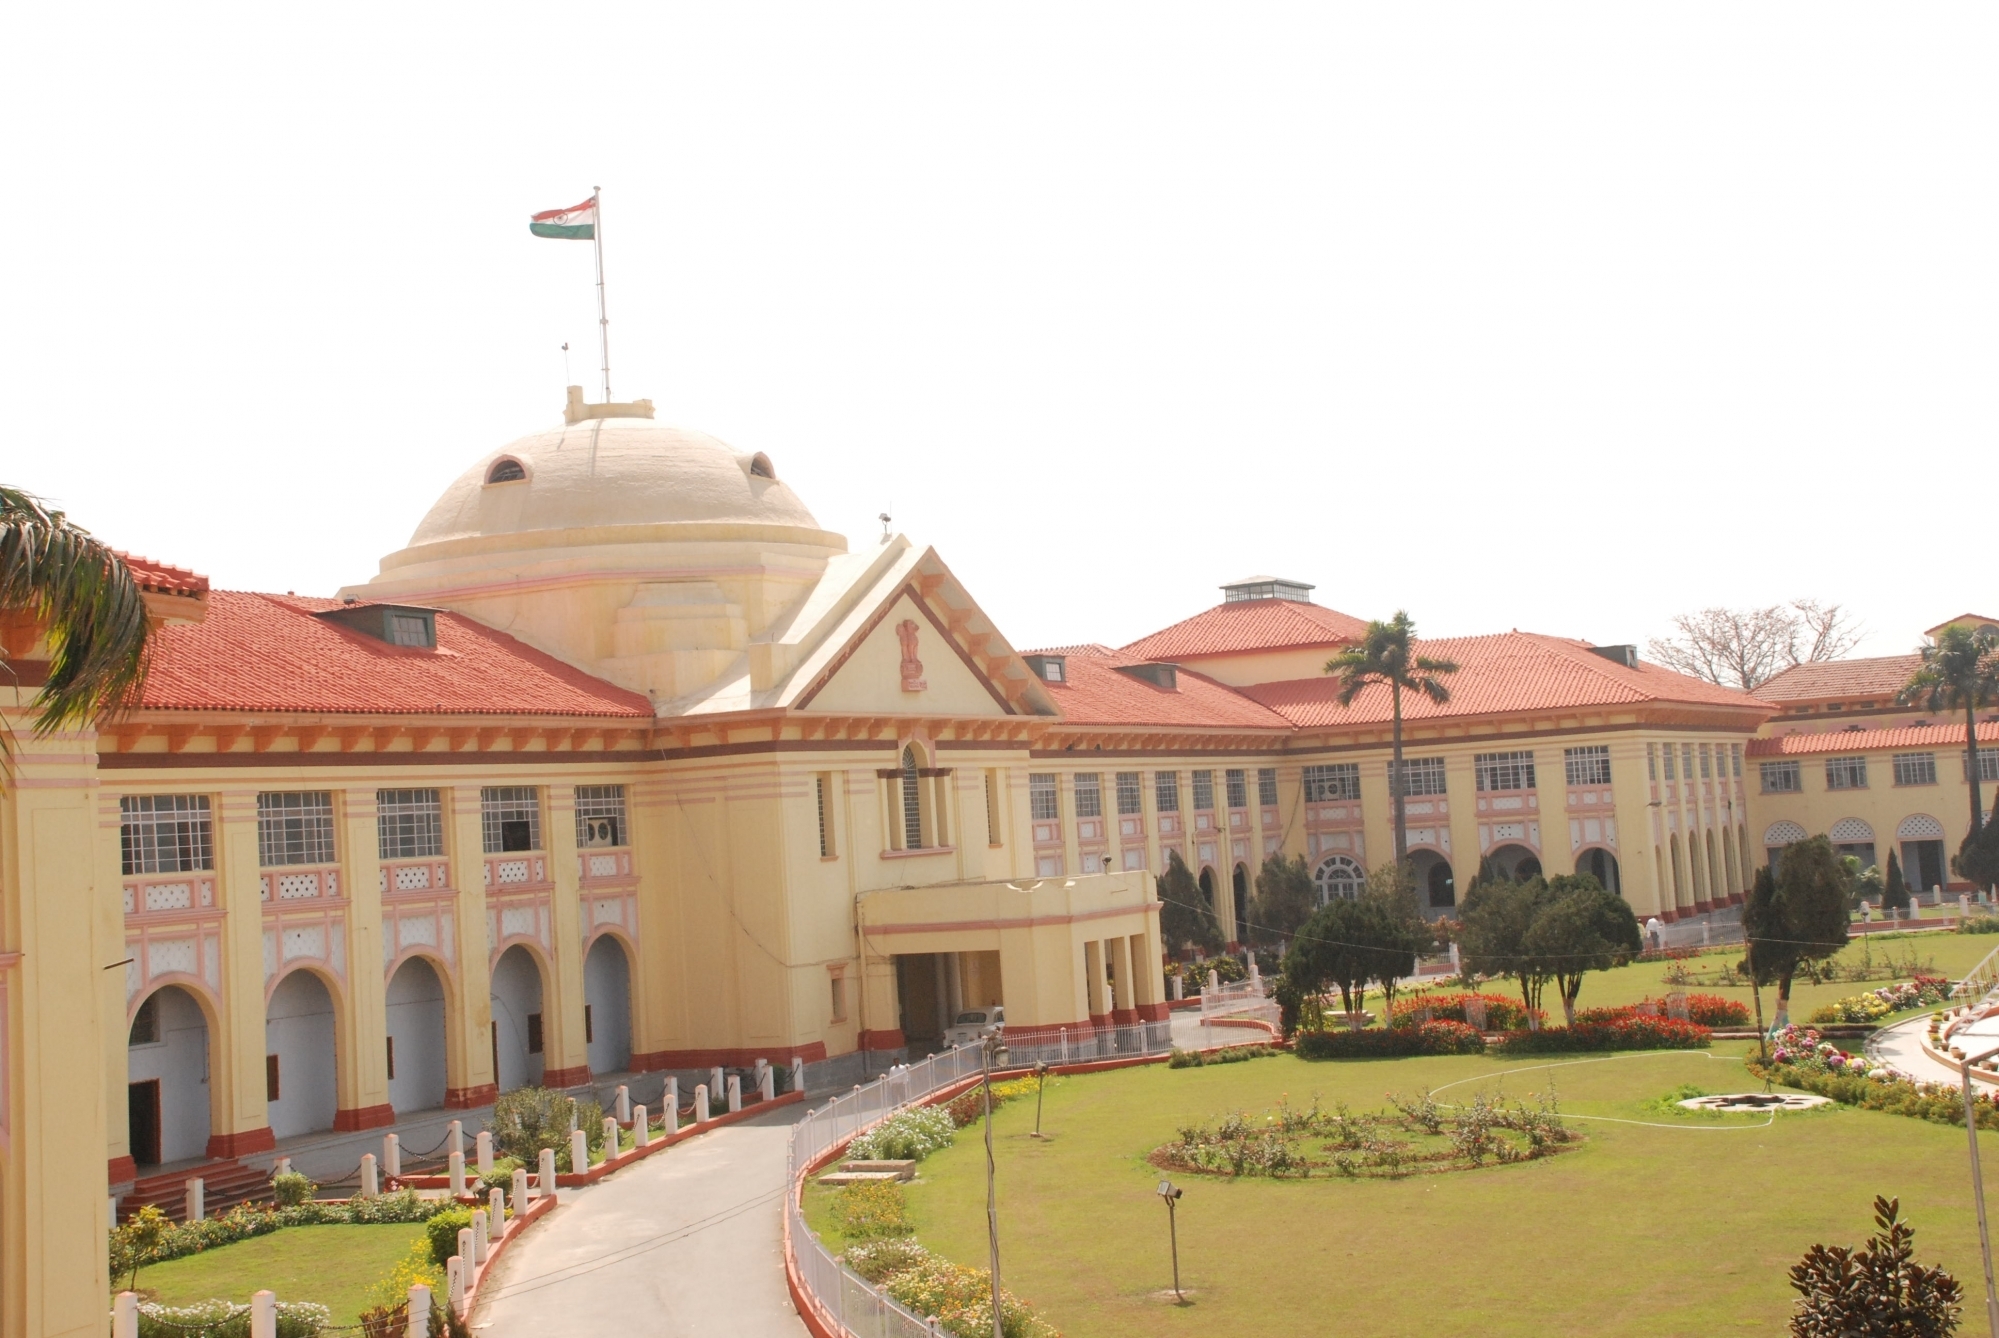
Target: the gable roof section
(1861, 740)
(1509, 672)
(1093, 692)
(268, 653)
(164, 577)
(1881, 677)
(1248, 625)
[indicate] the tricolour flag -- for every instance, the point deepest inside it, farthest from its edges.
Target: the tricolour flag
(578, 223)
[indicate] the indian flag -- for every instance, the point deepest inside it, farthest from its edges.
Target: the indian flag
(578, 223)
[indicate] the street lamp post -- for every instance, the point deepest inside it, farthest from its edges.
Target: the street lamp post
(1171, 1194)
(992, 1051)
(1040, 1084)
(1978, 1185)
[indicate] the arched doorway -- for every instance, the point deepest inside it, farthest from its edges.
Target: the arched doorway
(518, 1060)
(301, 1088)
(166, 1074)
(1516, 863)
(607, 1005)
(1601, 865)
(1436, 886)
(1207, 884)
(417, 1063)
(1239, 882)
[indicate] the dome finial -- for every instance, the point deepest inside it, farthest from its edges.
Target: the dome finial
(576, 411)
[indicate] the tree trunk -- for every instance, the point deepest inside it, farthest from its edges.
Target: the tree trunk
(1527, 1002)
(1762, 1036)
(1783, 1002)
(1400, 789)
(1569, 1001)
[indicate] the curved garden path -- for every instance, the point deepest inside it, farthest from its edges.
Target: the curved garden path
(1902, 1046)
(686, 1243)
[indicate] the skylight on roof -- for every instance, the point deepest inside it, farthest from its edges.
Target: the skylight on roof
(1265, 587)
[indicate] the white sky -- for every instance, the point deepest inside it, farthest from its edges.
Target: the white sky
(1564, 317)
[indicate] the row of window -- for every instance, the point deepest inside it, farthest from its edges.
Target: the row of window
(1044, 803)
(1850, 773)
(174, 833)
(1720, 759)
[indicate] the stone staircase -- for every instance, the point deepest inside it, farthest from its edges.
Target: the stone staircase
(868, 1172)
(224, 1185)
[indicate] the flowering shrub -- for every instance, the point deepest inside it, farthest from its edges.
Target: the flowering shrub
(1803, 1049)
(1921, 992)
(1854, 1081)
(1234, 1054)
(910, 1136)
(1712, 1010)
(259, 1219)
(960, 1298)
(1502, 1013)
(227, 1319)
(1635, 1032)
(870, 1210)
(1430, 1038)
(970, 1106)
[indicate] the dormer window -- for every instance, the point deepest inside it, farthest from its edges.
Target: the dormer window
(409, 629)
(506, 471)
(761, 467)
(1266, 587)
(397, 624)
(1048, 668)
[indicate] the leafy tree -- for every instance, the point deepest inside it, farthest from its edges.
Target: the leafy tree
(1797, 918)
(1386, 654)
(1878, 1291)
(1895, 890)
(1493, 942)
(1978, 858)
(1185, 917)
(1740, 648)
(528, 1119)
(1344, 945)
(1960, 672)
(1581, 928)
(1283, 900)
(81, 592)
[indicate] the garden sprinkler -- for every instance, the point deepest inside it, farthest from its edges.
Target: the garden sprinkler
(1041, 1084)
(1978, 1183)
(1171, 1194)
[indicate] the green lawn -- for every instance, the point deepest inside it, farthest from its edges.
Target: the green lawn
(333, 1265)
(1683, 1229)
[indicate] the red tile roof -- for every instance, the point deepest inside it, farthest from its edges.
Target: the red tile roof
(1861, 740)
(268, 653)
(1095, 693)
(1250, 625)
(1878, 678)
(1512, 671)
(1093, 648)
(162, 577)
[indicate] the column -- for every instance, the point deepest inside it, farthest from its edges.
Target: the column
(568, 1057)
(238, 1123)
(1093, 983)
(359, 1050)
(1124, 1007)
(468, 1041)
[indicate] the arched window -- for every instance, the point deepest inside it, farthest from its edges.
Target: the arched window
(761, 467)
(1337, 876)
(912, 802)
(506, 471)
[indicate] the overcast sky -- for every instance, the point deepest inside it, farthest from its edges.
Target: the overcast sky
(1563, 317)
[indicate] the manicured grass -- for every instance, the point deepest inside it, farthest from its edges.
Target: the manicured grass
(333, 1265)
(1683, 1229)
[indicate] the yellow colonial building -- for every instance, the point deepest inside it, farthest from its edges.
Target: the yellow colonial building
(625, 766)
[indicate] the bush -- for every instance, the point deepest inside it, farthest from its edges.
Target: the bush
(1703, 1010)
(289, 1189)
(391, 1291)
(1234, 1054)
(1637, 1032)
(227, 1319)
(1502, 1013)
(502, 1175)
(875, 1260)
(1979, 924)
(1431, 1038)
(528, 1119)
(1919, 992)
(135, 1245)
(443, 1232)
(962, 1300)
(910, 1136)
(871, 1210)
(970, 1107)
(1876, 1290)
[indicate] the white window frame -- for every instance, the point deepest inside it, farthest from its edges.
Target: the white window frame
(184, 820)
(1915, 768)
(1587, 764)
(1130, 793)
(409, 824)
(596, 806)
(295, 827)
(1788, 770)
(1515, 768)
(1089, 793)
(1421, 776)
(1044, 796)
(1847, 772)
(499, 804)
(1332, 782)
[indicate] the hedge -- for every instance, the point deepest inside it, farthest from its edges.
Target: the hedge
(1934, 1102)
(1431, 1038)
(1636, 1032)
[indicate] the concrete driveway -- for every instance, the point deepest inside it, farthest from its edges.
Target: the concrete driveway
(686, 1242)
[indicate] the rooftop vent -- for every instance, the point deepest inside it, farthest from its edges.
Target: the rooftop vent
(1049, 668)
(397, 624)
(1159, 675)
(1624, 655)
(1265, 587)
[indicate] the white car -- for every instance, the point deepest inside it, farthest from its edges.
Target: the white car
(973, 1024)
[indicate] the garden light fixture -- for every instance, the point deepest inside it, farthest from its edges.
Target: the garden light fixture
(1171, 1194)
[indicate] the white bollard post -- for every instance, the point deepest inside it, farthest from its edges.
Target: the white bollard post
(545, 1180)
(480, 1225)
(496, 1214)
(125, 1316)
(195, 1194)
(700, 1102)
(520, 1189)
(419, 1311)
(767, 1084)
(485, 1146)
(264, 1314)
(612, 1143)
(579, 1151)
(457, 1175)
(371, 1184)
(1214, 980)
(757, 1072)
(623, 1104)
(1963, 907)
(284, 1166)
(455, 1140)
(715, 1084)
(735, 1090)
(454, 1284)
(1174, 986)
(465, 1247)
(392, 1156)
(670, 1100)
(797, 1073)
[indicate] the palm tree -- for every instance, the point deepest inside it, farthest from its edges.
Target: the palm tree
(81, 595)
(1960, 671)
(1385, 654)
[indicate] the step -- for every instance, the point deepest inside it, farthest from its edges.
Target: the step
(224, 1185)
(904, 1169)
(861, 1178)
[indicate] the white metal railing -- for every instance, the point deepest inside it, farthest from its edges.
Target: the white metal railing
(1979, 981)
(845, 1299)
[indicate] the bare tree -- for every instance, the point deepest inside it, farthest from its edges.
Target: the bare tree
(1739, 648)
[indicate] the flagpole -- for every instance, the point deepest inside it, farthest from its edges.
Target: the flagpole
(603, 319)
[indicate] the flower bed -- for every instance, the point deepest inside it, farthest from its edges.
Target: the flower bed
(960, 1298)
(910, 1136)
(1429, 1038)
(1703, 1010)
(1234, 1054)
(177, 1240)
(1920, 992)
(1801, 1059)
(970, 1106)
(1502, 1012)
(1635, 1032)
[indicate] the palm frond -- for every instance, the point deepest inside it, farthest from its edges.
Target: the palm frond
(85, 597)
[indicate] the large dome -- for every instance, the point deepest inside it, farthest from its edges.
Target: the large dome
(611, 472)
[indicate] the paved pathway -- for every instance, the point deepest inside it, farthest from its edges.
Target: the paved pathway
(1902, 1046)
(685, 1244)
